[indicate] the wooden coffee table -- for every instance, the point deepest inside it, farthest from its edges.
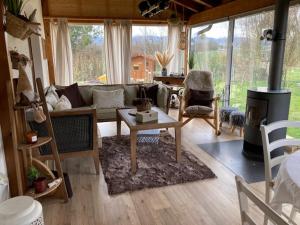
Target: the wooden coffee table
(164, 121)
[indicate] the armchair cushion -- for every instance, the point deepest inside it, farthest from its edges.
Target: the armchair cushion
(200, 97)
(197, 110)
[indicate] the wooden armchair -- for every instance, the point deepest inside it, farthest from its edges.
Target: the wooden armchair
(200, 81)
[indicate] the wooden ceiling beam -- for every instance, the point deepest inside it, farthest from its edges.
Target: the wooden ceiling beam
(229, 9)
(204, 3)
(190, 5)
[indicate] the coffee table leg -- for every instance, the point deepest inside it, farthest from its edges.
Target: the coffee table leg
(118, 125)
(133, 151)
(178, 143)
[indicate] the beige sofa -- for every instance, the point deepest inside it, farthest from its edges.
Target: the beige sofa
(130, 93)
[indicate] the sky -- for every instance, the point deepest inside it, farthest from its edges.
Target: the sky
(150, 30)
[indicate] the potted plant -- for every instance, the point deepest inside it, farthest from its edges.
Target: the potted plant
(39, 183)
(191, 61)
(163, 59)
(18, 25)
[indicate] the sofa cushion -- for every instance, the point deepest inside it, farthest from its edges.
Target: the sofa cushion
(151, 92)
(51, 96)
(130, 92)
(108, 99)
(73, 94)
(87, 91)
(63, 104)
(162, 97)
(106, 114)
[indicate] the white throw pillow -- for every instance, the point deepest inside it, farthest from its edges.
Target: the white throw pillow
(63, 104)
(50, 107)
(108, 99)
(51, 96)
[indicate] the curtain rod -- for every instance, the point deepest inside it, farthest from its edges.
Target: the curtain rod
(101, 20)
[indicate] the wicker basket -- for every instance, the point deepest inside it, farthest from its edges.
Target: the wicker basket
(142, 104)
(20, 28)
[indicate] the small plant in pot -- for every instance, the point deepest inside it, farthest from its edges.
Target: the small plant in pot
(39, 183)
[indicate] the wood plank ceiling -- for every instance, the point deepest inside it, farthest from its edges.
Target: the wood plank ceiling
(122, 9)
(193, 11)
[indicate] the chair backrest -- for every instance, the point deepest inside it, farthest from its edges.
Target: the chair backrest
(197, 80)
(244, 193)
(268, 147)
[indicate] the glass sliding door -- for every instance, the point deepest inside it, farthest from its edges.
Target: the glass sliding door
(291, 71)
(251, 56)
(209, 48)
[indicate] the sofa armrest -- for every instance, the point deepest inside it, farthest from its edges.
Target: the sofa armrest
(75, 130)
(163, 97)
(75, 111)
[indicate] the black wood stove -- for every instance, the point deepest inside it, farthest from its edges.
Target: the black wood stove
(271, 104)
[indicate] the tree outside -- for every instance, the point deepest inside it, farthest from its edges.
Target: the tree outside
(88, 53)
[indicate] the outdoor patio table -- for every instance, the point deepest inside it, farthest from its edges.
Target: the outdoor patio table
(287, 183)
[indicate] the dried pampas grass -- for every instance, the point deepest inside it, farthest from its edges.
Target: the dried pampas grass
(163, 58)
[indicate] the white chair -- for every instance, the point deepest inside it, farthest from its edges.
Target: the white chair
(272, 162)
(244, 193)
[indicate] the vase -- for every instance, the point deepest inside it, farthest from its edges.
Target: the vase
(164, 72)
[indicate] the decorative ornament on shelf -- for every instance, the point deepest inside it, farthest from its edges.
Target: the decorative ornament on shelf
(18, 25)
(24, 94)
(31, 137)
(17, 58)
(182, 40)
(163, 59)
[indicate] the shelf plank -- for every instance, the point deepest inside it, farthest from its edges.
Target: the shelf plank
(34, 195)
(40, 142)
(19, 107)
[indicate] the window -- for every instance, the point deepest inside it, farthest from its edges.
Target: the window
(146, 40)
(87, 43)
(291, 71)
(251, 56)
(209, 48)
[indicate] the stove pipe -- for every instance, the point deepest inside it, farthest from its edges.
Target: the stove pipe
(278, 44)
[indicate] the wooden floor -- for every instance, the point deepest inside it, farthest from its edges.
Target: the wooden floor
(212, 201)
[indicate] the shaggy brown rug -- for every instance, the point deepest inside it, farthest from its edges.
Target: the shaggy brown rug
(156, 165)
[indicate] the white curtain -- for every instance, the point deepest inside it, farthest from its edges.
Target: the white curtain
(176, 63)
(62, 52)
(117, 42)
(4, 190)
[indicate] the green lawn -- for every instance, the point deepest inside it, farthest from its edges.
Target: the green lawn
(239, 94)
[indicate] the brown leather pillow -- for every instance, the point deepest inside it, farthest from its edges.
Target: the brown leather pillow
(151, 92)
(73, 94)
(203, 98)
